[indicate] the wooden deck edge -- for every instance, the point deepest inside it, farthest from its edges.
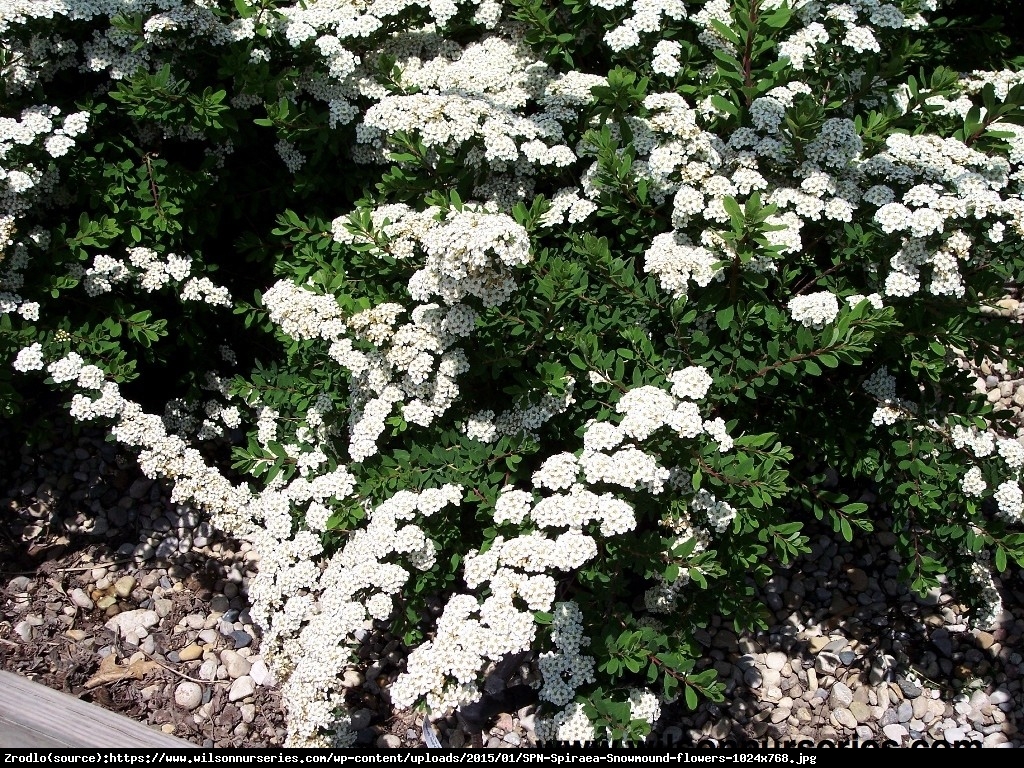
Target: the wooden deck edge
(32, 715)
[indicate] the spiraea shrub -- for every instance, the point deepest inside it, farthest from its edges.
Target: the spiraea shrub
(569, 315)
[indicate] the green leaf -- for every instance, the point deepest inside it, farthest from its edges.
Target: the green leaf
(724, 316)
(732, 208)
(778, 19)
(691, 697)
(845, 529)
(724, 105)
(1000, 559)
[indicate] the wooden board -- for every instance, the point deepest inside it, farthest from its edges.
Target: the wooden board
(32, 715)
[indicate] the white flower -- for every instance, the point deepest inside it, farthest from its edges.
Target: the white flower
(29, 310)
(691, 383)
(1010, 500)
(1012, 453)
(973, 483)
(557, 472)
(29, 358)
(91, 377)
(512, 506)
(815, 309)
(67, 368)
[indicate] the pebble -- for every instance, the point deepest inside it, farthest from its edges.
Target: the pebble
(776, 660)
(208, 670)
(816, 644)
(124, 586)
(360, 719)
(860, 711)
(352, 678)
(895, 732)
(904, 712)
(826, 663)
(81, 599)
(241, 688)
(24, 630)
(260, 674)
(190, 652)
(840, 696)
(941, 640)
(131, 622)
(909, 689)
(236, 665)
(845, 718)
(389, 741)
(954, 734)
(188, 695)
(241, 638)
(208, 636)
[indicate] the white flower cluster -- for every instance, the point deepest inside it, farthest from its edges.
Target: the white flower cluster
(973, 482)
(303, 314)
(29, 358)
(36, 60)
(19, 176)
(68, 368)
(873, 299)
(469, 633)
(666, 61)
(152, 273)
(469, 255)
(815, 310)
(981, 443)
(523, 418)
(718, 513)
(882, 386)
(1011, 452)
(308, 611)
(644, 705)
(106, 406)
(647, 19)
(677, 262)
(1010, 501)
(104, 274)
(854, 24)
(991, 608)
(567, 205)
(565, 668)
(570, 725)
(480, 426)
(474, 98)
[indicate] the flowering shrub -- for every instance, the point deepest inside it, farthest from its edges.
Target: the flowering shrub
(568, 314)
